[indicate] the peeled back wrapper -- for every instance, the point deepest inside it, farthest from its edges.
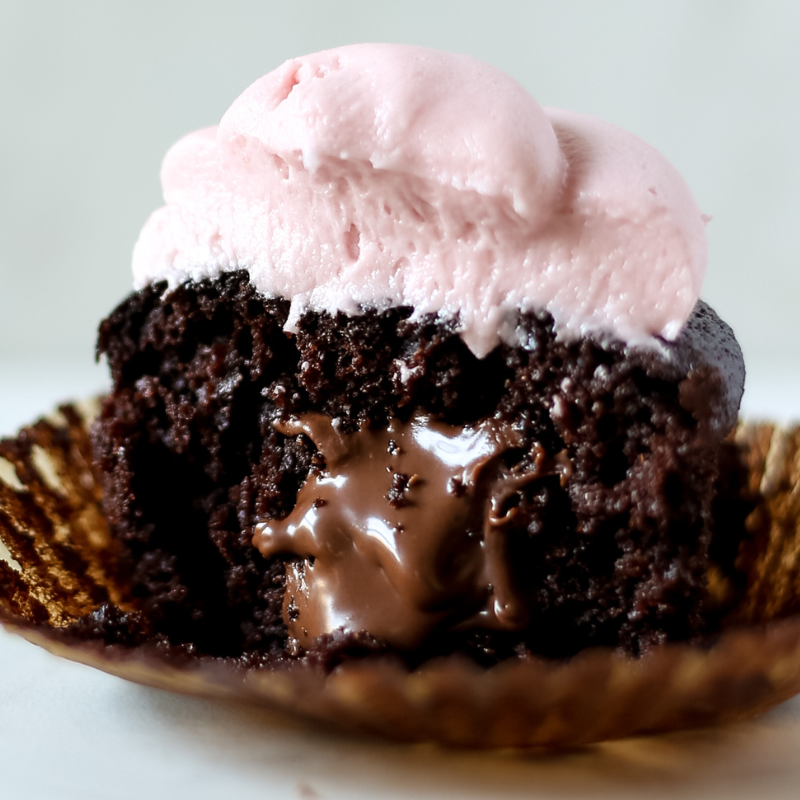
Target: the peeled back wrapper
(56, 567)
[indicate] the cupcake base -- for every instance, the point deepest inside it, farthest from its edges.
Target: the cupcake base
(582, 511)
(55, 577)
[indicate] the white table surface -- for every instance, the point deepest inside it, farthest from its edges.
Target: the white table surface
(68, 731)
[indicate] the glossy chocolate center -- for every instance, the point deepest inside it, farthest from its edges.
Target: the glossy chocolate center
(405, 529)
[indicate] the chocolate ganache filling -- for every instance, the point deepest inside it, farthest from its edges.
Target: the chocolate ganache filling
(404, 529)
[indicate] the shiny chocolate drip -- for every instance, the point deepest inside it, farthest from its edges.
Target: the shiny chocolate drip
(405, 529)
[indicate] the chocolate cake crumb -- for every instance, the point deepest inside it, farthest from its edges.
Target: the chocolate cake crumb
(190, 461)
(398, 493)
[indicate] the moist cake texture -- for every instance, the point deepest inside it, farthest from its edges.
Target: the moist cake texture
(613, 550)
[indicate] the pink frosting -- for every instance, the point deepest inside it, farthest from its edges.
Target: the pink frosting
(392, 175)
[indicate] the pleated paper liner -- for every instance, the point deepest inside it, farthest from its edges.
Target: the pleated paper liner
(55, 550)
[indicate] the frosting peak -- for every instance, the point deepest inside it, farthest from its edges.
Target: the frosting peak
(400, 110)
(386, 175)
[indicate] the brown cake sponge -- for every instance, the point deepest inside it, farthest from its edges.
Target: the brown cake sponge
(605, 518)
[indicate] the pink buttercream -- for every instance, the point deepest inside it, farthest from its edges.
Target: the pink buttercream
(386, 175)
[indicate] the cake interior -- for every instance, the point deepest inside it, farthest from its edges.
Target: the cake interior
(191, 459)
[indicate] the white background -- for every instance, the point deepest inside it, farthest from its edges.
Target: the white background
(92, 94)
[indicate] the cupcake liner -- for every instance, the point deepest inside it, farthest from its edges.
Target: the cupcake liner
(55, 554)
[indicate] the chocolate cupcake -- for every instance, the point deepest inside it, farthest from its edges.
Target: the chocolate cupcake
(414, 370)
(416, 366)
(369, 483)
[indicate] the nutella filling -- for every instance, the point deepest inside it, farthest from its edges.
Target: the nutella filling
(405, 529)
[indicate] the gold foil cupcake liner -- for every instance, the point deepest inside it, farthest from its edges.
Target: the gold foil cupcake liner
(55, 554)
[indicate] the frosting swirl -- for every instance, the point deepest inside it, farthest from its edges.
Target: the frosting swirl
(377, 175)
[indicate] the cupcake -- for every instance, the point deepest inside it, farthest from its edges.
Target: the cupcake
(418, 425)
(416, 367)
